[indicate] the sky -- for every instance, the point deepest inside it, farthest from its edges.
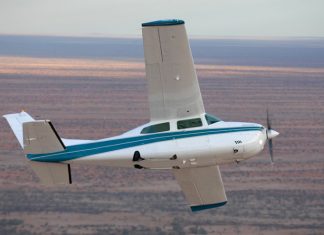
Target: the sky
(123, 18)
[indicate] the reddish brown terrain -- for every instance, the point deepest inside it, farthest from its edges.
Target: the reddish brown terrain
(92, 99)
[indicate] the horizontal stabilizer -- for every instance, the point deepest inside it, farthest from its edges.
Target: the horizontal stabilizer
(52, 173)
(16, 121)
(41, 137)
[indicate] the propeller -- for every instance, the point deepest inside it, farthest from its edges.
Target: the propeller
(270, 135)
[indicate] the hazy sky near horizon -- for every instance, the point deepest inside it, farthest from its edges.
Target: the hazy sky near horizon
(204, 18)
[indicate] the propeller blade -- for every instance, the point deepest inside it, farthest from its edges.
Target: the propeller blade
(268, 121)
(270, 135)
(270, 150)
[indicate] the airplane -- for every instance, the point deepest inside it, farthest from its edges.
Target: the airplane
(180, 135)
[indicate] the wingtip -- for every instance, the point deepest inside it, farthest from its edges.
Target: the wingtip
(6, 116)
(166, 22)
(207, 206)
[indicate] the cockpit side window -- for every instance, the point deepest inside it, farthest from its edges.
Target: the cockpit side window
(189, 123)
(211, 119)
(156, 128)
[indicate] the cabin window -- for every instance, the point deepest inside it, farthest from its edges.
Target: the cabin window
(156, 128)
(189, 123)
(211, 119)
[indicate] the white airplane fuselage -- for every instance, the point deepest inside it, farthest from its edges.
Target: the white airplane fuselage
(206, 150)
(215, 144)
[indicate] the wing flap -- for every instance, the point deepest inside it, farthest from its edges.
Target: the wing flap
(202, 186)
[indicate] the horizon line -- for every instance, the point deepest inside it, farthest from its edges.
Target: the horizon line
(195, 37)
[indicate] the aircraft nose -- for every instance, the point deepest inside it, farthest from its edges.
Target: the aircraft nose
(272, 134)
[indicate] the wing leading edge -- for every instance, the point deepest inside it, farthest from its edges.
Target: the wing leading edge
(202, 186)
(172, 81)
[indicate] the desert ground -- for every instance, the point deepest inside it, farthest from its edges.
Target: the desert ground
(95, 98)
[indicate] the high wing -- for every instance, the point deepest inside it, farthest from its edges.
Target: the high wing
(172, 81)
(202, 186)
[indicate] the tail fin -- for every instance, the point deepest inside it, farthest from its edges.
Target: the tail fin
(35, 137)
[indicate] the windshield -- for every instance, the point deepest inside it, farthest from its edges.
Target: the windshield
(211, 119)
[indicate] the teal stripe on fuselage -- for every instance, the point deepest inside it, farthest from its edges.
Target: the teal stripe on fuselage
(83, 150)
